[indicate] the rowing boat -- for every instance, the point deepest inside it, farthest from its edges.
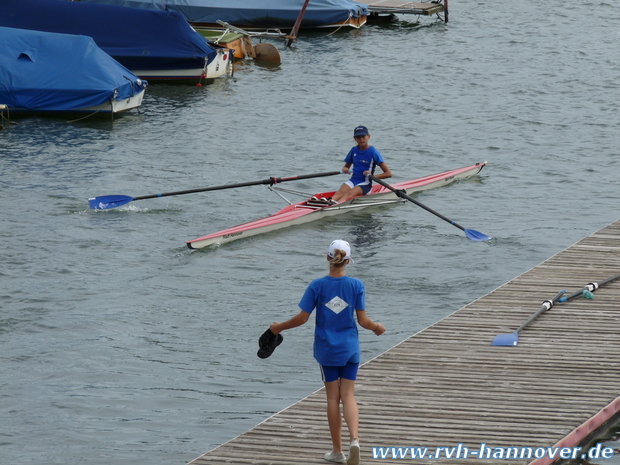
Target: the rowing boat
(311, 210)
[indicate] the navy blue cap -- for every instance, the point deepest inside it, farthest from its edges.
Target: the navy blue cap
(360, 131)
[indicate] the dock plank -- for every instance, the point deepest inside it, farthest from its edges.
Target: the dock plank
(448, 385)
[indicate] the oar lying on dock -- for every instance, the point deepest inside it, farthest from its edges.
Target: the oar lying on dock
(470, 233)
(512, 339)
(112, 201)
(589, 289)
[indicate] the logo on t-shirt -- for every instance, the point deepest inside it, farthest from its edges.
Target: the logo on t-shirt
(336, 305)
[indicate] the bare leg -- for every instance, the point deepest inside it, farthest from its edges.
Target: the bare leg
(346, 193)
(334, 418)
(341, 192)
(342, 390)
(351, 411)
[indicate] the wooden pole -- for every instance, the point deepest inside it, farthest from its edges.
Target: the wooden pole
(295, 30)
(446, 8)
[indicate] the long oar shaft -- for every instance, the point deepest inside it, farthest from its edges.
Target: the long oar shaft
(474, 235)
(113, 201)
(271, 181)
(512, 339)
(403, 195)
(546, 305)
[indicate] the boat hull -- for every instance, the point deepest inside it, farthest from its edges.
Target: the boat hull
(252, 15)
(355, 22)
(221, 65)
(118, 106)
(115, 107)
(305, 212)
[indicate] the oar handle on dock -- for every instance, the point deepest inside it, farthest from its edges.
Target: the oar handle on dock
(590, 287)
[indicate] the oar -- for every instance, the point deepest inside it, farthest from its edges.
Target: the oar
(470, 233)
(297, 24)
(512, 339)
(589, 289)
(112, 201)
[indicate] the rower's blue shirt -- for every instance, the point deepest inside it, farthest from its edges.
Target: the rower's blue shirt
(363, 160)
(336, 339)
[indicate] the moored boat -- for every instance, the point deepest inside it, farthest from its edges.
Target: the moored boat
(257, 14)
(154, 45)
(45, 72)
(311, 209)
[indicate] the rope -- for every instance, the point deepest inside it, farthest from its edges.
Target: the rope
(341, 26)
(92, 114)
(102, 106)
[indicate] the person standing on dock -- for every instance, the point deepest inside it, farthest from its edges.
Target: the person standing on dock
(364, 158)
(338, 299)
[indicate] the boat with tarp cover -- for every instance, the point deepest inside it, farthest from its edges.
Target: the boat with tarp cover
(258, 14)
(154, 45)
(316, 207)
(44, 72)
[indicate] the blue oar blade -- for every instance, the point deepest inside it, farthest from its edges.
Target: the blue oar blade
(108, 201)
(476, 235)
(511, 339)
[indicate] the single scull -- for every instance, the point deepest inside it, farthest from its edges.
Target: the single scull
(309, 210)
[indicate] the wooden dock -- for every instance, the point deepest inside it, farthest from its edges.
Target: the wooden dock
(389, 7)
(447, 385)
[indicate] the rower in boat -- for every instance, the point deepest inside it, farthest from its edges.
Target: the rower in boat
(364, 158)
(303, 212)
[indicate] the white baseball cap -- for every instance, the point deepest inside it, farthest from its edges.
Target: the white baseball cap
(342, 245)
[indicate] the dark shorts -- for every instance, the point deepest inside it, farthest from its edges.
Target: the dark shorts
(365, 186)
(349, 371)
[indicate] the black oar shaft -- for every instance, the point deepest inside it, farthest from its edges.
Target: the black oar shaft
(403, 195)
(590, 287)
(546, 305)
(271, 181)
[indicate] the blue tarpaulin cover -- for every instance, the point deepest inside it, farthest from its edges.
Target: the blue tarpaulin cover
(138, 39)
(254, 13)
(42, 71)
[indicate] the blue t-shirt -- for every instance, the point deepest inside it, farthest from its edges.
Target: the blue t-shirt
(336, 339)
(363, 160)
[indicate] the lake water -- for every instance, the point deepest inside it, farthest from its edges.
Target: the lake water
(120, 345)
